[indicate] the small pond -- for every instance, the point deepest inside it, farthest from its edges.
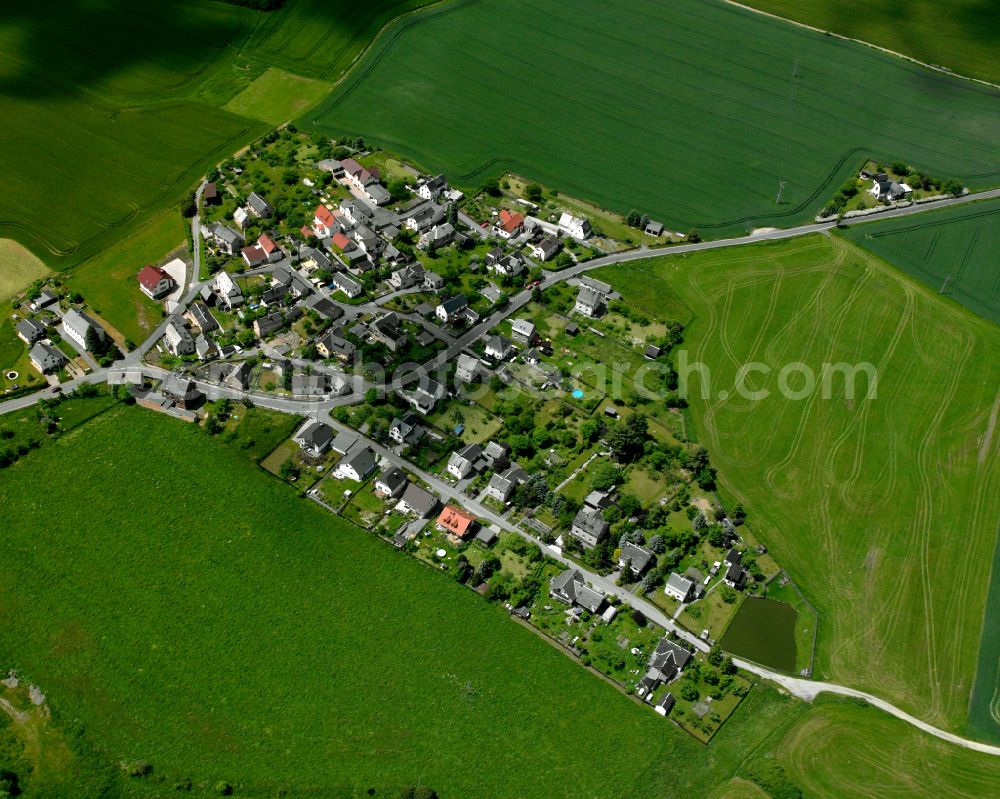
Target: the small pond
(763, 631)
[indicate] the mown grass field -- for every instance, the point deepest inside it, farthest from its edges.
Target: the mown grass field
(961, 35)
(238, 633)
(695, 121)
(18, 268)
(277, 96)
(882, 510)
(839, 749)
(954, 249)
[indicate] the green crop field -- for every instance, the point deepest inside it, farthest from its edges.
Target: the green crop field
(277, 96)
(961, 35)
(322, 38)
(238, 633)
(954, 249)
(883, 510)
(839, 749)
(99, 128)
(695, 121)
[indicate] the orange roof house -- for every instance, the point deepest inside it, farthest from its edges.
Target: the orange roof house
(323, 221)
(456, 521)
(510, 223)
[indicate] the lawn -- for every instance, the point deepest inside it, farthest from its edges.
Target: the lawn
(277, 96)
(953, 250)
(847, 494)
(18, 268)
(108, 282)
(841, 749)
(650, 125)
(249, 646)
(962, 35)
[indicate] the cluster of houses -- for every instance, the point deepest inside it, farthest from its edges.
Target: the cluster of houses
(75, 325)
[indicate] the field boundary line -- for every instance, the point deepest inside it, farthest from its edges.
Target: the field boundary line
(878, 47)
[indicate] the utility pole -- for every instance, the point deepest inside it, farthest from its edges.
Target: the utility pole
(945, 284)
(781, 188)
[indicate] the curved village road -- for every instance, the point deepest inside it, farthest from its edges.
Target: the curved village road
(320, 409)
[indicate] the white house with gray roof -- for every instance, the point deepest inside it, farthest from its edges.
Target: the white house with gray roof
(77, 324)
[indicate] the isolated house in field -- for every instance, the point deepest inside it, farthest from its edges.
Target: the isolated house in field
(888, 190)
(680, 588)
(177, 338)
(457, 522)
(570, 587)
(30, 331)
(577, 227)
(653, 228)
(314, 438)
(77, 325)
(258, 206)
(154, 282)
(46, 358)
(391, 482)
(636, 557)
(417, 500)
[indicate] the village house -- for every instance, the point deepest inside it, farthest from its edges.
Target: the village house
(502, 485)
(30, 331)
(736, 575)
(154, 282)
(331, 345)
(589, 527)
(491, 293)
(453, 309)
(465, 461)
(509, 224)
(546, 249)
(426, 395)
(432, 281)
(211, 194)
(456, 522)
(325, 307)
(574, 226)
(266, 325)
(241, 217)
(78, 324)
(418, 501)
(438, 236)
(467, 368)
(44, 300)
(665, 664)
(391, 482)
(570, 587)
(351, 287)
(510, 265)
(523, 331)
(653, 228)
(201, 318)
(424, 217)
(589, 303)
(406, 276)
(431, 188)
(181, 391)
(406, 430)
(205, 348)
(177, 338)
(357, 175)
(314, 438)
(499, 348)
(228, 290)
(314, 385)
(258, 206)
(324, 222)
(228, 240)
(680, 588)
(636, 557)
(389, 331)
(496, 454)
(357, 464)
(46, 358)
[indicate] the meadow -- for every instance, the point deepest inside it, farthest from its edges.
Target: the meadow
(953, 249)
(961, 35)
(240, 633)
(18, 268)
(883, 510)
(698, 121)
